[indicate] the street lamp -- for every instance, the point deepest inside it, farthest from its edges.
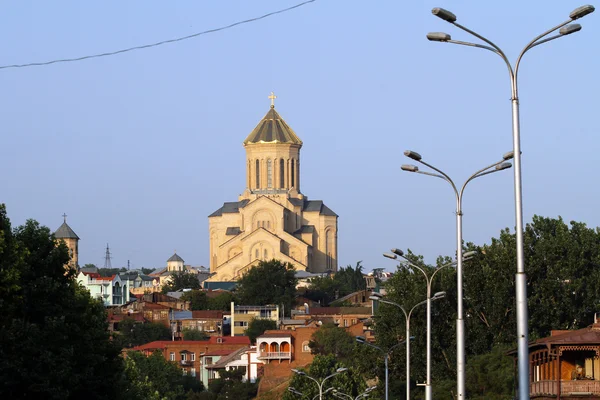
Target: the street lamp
(460, 324)
(429, 279)
(362, 340)
(319, 384)
(378, 297)
(520, 279)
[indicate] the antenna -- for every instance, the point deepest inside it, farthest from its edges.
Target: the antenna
(127, 265)
(107, 257)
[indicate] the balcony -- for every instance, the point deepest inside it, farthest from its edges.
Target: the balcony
(268, 355)
(579, 388)
(186, 363)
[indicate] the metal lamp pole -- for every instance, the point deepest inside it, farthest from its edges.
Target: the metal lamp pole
(429, 279)
(319, 384)
(520, 279)
(407, 315)
(363, 395)
(460, 324)
(362, 340)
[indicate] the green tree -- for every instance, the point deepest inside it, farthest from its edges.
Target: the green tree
(270, 282)
(156, 378)
(349, 382)
(327, 289)
(133, 333)
(147, 271)
(197, 298)
(54, 342)
(258, 326)
(182, 280)
(221, 302)
(194, 334)
(490, 375)
(330, 339)
(89, 266)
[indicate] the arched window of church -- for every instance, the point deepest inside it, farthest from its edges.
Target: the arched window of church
(269, 174)
(293, 174)
(281, 174)
(268, 224)
(265, 254)
(256, 254)
(257, 174)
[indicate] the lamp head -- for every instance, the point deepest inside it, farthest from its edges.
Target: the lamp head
(567, 30)
(360, 339)
(413, 154)
(339, 370)
(508, 156)
(375, 298)
(469, 254)
(398, 252)
(504, 165)
(439, 295)
(444, 14)
(438, 36)
(388, 255)
(409, 168)
(581, 12)
(297, 371)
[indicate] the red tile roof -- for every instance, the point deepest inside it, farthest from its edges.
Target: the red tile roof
(230, 339)
(161, 344)
(208, 314)
(218, 353)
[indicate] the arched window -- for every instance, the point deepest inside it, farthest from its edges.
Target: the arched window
(266, 254)
(257, 174)
(293, 182)
(256, 253)
(281, 173)
(269, 174)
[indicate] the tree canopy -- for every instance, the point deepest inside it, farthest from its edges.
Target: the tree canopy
(54, 342)
(258, 326)
(270, 282)
(327, 289)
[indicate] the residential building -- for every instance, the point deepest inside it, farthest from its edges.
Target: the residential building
(272, 218)
(244, 359)
(565, 365)
(112, 290)
(242, 315)
(188, 353)
(208, 321)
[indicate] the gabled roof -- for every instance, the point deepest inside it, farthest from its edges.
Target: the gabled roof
(65, 232)
(233, 231)
(588, 335)
(214, 285)
(273, 129)
(224, 360)
(317, 205)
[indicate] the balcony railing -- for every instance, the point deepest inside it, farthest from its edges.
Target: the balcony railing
(186, 362)
(275, 354)
(581, 388)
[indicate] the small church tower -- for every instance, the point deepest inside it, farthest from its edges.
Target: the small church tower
(175, 263)
(70, 238)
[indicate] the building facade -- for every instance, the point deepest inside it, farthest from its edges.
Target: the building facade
(272, 218)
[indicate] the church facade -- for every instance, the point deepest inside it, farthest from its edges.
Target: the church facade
(272, 219)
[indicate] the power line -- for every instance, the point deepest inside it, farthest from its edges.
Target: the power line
(112, 53)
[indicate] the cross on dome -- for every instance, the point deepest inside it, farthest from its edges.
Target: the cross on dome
(272, 97)
(65, 217)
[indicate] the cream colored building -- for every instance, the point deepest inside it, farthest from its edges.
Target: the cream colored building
(69, 237)
(272, 219)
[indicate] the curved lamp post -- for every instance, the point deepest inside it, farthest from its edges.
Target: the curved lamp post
(378, 297)
(399, 253)
(362, 340)
(564, 29)
(319, 383)
(460, 324)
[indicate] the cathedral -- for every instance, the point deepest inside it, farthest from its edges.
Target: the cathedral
(272, 218)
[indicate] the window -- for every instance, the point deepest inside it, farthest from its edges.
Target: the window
(193, 358)
(353, 321)
(257, 174)
(208, 361)
(293, 172)
(305, 347)
(269, 174)
(240, 323)
(193, 372)
(281, 174)
(265, 257)
(265, 313)
(256, 253)
(183, 357)
(172, 358)
(346, 323)
(184, 371)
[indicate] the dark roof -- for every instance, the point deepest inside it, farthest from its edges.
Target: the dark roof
(588, 335)
(273, 129)
(87, 270)
(220, 285)
(230, 208)
(317, 205)
(306, 229)
(175, 257)
(296, 202)
(233, 231)
(208, 314)
(65, 232)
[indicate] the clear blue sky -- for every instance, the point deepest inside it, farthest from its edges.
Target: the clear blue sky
(127, 145)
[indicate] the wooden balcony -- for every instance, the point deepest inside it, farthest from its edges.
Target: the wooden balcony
(579, 388)
(268, 355)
